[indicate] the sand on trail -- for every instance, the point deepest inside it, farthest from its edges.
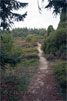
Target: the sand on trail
(43, 85)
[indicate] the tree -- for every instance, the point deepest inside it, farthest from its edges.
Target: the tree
(42, 32)
(50, 29)
(6, 48)
(56, 41)
(58, 6)
(7, 16)
(9, 54)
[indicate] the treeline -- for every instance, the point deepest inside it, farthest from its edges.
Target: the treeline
(23, 32)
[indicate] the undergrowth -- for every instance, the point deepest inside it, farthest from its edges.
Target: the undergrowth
(60, 72)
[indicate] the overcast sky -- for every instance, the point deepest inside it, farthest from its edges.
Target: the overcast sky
(36, 20)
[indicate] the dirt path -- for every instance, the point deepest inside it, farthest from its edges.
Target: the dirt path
(43, 85)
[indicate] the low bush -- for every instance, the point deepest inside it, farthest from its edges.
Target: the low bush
(15, 84)
(28, 51)
(31, 38)
(60, 72)
(12, 87)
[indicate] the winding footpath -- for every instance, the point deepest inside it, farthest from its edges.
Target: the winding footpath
(43, 85)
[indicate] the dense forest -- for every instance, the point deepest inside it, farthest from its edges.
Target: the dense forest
(20, 57)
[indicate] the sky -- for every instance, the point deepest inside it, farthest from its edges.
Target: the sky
(34, 18)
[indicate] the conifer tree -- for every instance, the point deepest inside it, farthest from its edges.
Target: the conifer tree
(7, 16)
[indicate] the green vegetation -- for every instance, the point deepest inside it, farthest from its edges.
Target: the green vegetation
(15, 78)
(12, 87)
(49, 30)
(54, 48)
(28, 62)
(29, 51)
(56, 41)
(31, 38)
(18, 54)
(8, 52)
(60, 72)
(23, 32)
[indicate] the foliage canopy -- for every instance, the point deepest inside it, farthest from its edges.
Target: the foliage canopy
(58, 6)
(7, 16)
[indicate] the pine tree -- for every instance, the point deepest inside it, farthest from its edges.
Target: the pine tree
(58, 6)
(7, 16)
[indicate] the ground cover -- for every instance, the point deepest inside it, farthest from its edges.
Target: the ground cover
(16, 79)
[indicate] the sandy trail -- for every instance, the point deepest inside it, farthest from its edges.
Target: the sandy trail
(43, 62)
(43, 84)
